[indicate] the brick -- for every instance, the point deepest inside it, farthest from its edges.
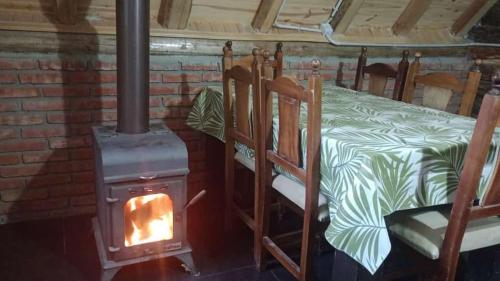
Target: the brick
(23, 194)
(45, 156)
(83, 177)
(9, 106)
(45, 105)
(105, 91)
(12, 183)
(74, 211)
(48, 180)
(6, 134)
(104, 65)
(65, 92)
(71, 189)
(8, 78)
(78, 130)
(18, 92)
(155, 77)
(8, 63)
(328, 76)
(24, 170)
(71, 65)
(184, 77)
(83, 77)
(166, 66)
(106, 116)
(155, 101)
(108, 77)
(178, 100)
(164, 113)
(70, 142)
(89, 199)
(94, 103)
(187, 89)
(69, 117)
(23, 145)
(184, 112)
(70, 166)
(41, 78)
(21, 119)
(9, 159)
(43, 132)
(46, 204)
(197, 67)
(161, 90)
(212, 76)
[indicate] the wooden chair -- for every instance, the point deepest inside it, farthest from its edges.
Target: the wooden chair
(439, 87)
(241, 123)
(379, 74)
(306, 193)
(441, 233)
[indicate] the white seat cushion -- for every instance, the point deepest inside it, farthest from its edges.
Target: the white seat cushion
(424, 230)
(296, 193)
(245, 161)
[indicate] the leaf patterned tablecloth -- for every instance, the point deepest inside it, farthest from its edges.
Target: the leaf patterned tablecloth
(378, 156)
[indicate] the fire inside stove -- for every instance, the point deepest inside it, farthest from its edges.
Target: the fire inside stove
(148, 219)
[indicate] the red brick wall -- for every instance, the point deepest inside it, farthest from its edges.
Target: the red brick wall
(48, 103)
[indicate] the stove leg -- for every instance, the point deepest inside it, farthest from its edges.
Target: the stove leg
(108, 274)
(188, 263)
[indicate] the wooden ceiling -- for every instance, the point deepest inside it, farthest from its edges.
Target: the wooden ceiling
(400, 21)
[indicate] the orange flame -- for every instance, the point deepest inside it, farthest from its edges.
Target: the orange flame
(148, 219)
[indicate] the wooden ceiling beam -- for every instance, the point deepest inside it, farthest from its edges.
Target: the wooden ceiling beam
(66, 11)
(174, 14)
(266, 15)
(347, 12)
(410, 16)
(470, 16)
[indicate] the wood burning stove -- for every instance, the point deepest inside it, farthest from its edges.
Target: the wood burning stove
(140, 170)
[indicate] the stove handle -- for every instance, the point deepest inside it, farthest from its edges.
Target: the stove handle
(113, 249)
(150, 177)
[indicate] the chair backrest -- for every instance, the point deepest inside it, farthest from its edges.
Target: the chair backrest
(439, 87)
(463, 209)
(240, 124)
(379, 75)
(290, 96)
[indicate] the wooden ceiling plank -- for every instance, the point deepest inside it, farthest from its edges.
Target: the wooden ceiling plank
(470, 16)
(266, 15)
(67, 11)
(348, 11)
(174, 14)
(410, 16)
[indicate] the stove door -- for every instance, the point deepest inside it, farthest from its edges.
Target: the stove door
(147, 217)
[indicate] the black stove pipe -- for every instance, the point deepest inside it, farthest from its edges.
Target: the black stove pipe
(132, 50)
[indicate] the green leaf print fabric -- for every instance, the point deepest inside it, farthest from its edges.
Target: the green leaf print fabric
(378, 156)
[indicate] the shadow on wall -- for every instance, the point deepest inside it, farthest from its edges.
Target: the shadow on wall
(56, 190)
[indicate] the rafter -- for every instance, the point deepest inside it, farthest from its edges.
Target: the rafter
(67, 11)
(470, 16)
(174, 14)
(410, 16)
(348, 11)
(266, 15)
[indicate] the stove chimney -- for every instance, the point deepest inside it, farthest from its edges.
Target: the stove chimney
(132, 50)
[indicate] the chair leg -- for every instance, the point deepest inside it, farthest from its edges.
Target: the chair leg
(306, 249)
(229, 185)
(262, 224)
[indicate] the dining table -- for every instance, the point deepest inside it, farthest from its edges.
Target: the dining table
(378, 156)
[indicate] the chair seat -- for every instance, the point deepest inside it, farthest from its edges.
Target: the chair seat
(245, 161)
(424, 231)
(296, 193)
